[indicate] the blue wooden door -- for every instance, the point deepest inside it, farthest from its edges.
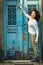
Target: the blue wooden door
(32, 6)
(27, 45)
(12, 30)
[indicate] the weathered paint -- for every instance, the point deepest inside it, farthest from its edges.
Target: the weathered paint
(16, 37)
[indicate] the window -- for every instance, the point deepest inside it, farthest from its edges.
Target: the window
(11, 14)
(31, 7)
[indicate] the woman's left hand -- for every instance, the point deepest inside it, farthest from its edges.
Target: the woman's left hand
(36, 41)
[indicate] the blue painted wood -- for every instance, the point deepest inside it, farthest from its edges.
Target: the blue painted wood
(16, 37)
(12, 33)
(40, 38)
(5, 31)
(25, 29)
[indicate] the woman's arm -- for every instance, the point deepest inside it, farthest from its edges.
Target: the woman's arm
(28, 16)
(37, 32)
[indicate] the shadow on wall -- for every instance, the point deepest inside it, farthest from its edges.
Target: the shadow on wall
(1, 30)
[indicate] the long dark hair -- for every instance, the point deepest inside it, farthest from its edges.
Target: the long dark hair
(37, 15)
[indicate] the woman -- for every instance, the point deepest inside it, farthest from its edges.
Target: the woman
(33, 29)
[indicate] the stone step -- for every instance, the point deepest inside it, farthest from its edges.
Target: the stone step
(20, 62)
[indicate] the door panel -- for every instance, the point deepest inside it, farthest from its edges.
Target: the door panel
(33, 7)
(10, 29)
(11, 14)
(11, 45)
(11, 41)
(30, 8)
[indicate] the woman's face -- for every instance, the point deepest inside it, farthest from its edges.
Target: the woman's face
(33, 14)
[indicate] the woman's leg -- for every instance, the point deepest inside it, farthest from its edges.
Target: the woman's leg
(34, 45)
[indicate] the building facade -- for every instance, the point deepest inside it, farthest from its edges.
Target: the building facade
(14, 37)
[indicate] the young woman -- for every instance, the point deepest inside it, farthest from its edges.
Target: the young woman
(33, 28)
